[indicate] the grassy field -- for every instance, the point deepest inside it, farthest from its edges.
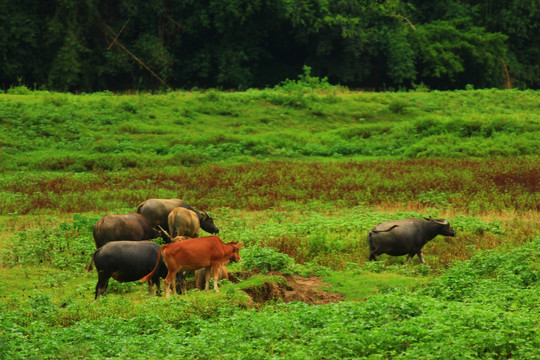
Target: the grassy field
(299, 174)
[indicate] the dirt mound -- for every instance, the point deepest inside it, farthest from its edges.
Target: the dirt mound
(294, 288)
(308, 290)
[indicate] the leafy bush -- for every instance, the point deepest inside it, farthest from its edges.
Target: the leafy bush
(507, 279)
(19, 90)
(305, 82)
(266, 259)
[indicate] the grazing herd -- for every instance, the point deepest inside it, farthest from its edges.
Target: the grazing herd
(125, 253)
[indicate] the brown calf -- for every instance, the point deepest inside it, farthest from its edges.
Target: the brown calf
(192, 254)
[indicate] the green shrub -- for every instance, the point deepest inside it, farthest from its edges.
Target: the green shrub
(19, 90)
(266, 259)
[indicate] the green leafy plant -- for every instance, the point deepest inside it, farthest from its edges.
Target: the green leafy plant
(266, 259)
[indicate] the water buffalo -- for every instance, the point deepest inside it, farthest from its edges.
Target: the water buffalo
(407, 236)
(130, 226)
(157, 212)
(127, 261)
(183, 222)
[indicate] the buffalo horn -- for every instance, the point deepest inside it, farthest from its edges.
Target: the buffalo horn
(165, 232)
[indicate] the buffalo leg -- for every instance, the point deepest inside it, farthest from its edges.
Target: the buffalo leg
(151, 287)
(151, 284)
(200, 276)
(181, 287)
(158, 287)
(419, 253)
(102, 284)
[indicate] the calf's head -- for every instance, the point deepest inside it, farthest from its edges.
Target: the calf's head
(236, 251)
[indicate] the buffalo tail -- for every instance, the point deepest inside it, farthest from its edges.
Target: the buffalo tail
(89, 267)
(370, 240)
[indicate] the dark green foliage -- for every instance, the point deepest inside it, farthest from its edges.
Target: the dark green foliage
(452, 54)
(96, 45)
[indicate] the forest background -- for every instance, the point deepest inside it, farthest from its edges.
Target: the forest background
(379, 45)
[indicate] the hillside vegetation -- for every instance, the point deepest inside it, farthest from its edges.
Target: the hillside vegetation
(300, 173)
(51, 131)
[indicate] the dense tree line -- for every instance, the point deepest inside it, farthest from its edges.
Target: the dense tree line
(96, 45)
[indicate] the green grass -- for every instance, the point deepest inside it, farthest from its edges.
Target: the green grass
(356, 285)
(50, 131)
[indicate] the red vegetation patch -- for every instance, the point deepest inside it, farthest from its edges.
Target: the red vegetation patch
(483, 185)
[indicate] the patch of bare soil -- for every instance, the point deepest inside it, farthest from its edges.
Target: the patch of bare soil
(294, 288)
(309, 290)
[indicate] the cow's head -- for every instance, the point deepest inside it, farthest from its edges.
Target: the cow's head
(207, 223)
(236, 251)
(444, 227)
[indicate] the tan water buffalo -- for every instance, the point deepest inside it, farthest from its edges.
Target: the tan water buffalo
(405, 237)
(157, 212)
(183, 222)
(133, 227)
(200, 276)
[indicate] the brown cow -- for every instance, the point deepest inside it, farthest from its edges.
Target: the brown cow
(130, 226)
(192, 254)
(200, 275)
(184, 222)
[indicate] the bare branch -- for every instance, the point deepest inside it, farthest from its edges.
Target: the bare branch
(404, 18)
(119, 33)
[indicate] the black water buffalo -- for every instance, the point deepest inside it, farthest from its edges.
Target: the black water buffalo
(127, 261)
(183, 222)
(407, 236)
(157, 212)
(130, 226)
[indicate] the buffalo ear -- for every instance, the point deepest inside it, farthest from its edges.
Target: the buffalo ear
(240, 245)
(429, 218)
